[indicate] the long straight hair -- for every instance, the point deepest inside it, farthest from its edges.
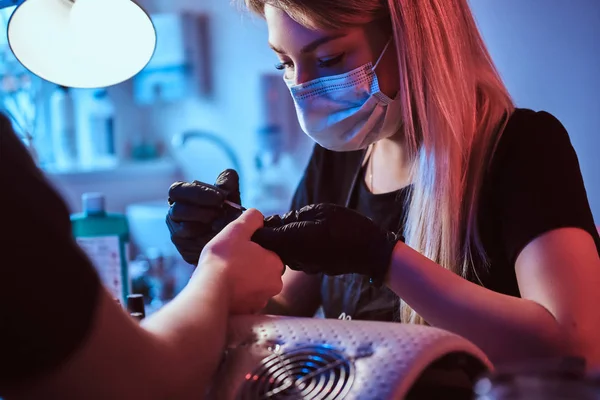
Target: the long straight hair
(454, 109)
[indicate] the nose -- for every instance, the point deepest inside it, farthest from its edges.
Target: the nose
(304, 74)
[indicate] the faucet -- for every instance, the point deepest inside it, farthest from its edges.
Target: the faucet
(180, 140)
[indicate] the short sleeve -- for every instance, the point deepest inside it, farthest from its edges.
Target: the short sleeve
(537, 182)
(48, 288)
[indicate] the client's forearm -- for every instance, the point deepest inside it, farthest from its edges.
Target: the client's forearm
(173, 358)
(193, 329)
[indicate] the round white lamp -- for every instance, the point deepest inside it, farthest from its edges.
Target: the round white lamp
(82, 43)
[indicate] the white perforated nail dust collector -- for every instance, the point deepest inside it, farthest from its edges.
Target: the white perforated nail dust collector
(304, 358)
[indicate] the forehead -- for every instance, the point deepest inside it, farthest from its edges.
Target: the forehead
(282, 26)
(285, 32)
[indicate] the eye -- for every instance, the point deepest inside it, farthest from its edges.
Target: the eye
(283, 65)
(330, 62)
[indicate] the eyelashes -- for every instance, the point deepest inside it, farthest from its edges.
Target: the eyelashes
(322, 63)
(327, 63)
(283, 65)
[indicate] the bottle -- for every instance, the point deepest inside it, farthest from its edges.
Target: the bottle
(104, 237)
(101, 125)
(64, 133)
(136, 306)
(137, 316)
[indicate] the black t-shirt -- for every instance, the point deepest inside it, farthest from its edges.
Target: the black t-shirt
(532, 186)
(48, 288)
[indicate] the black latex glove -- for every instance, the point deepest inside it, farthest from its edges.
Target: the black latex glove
(329, 239)
(198, 212)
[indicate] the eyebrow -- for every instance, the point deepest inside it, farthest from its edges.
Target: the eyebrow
(312, 46)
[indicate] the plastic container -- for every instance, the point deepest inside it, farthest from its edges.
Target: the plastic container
(64, 132)
(102, 134)
(104, 237)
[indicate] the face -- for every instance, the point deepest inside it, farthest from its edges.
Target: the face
(306, 54)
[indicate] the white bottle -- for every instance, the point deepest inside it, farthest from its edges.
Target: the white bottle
(64, 132)
(101, 125)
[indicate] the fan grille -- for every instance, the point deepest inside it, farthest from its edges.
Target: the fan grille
(317, 372)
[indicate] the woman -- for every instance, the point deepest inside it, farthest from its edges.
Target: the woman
(478, 216)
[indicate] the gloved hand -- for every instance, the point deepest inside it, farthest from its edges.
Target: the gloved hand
(198, 212)
(329, 239)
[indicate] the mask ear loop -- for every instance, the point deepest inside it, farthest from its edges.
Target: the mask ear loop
(382, 53)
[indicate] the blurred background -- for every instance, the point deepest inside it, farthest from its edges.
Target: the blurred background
(211, 99)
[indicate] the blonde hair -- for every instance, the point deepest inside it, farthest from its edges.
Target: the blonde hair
(454, 108)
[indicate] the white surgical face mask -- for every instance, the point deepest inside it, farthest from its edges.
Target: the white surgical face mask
(346, 112)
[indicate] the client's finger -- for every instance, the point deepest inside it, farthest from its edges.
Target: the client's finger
(246, 224)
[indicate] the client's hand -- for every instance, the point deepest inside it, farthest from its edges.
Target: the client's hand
(329, 239)
(198, 212)
(253, 273)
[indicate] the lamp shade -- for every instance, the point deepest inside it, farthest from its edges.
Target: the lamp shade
(82, 43)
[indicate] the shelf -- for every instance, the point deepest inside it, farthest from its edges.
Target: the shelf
(124, 171)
